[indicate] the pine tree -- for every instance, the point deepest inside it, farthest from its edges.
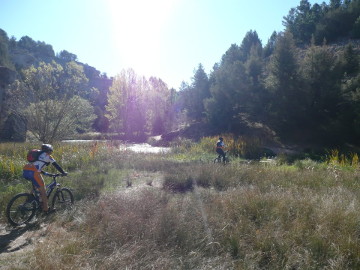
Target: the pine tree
(283, 84)
(196, 94)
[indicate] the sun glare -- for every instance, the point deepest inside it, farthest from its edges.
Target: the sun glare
(137, 32)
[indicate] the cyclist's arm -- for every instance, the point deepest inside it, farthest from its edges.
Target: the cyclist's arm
(57, 166)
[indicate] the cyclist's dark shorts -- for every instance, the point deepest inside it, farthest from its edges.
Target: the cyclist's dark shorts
(30, 173)
(220, 151)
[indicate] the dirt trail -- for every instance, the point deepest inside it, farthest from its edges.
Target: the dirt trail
(20, 239)
(14, 241)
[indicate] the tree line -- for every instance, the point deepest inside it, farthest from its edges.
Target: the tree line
(57, 96)
(299, 86)
(293, 87)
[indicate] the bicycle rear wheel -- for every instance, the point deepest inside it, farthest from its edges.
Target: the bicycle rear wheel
(21, 209)
(217, 160)
(63, 199)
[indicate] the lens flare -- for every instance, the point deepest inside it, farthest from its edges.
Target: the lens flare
(138, 32)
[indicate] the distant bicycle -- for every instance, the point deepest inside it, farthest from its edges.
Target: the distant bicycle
(23, 206)
(219, 159)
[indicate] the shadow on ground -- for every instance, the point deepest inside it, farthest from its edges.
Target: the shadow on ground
(11, 240)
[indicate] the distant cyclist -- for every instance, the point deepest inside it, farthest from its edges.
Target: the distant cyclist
(220, 145)
(33, 170)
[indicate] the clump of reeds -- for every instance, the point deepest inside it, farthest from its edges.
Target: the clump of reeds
(335, 157)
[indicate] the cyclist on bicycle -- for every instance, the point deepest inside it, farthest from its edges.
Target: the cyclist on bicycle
(220, 145)
(33, 170)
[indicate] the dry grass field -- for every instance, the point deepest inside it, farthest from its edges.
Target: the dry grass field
(179, 211)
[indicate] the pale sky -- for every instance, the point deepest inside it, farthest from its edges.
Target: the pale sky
(167, 39)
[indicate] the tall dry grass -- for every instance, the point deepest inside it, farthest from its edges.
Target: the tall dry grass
(241, 216)
(238, 146)
(243, 228)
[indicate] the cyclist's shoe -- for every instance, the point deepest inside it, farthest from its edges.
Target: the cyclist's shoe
(50, 211)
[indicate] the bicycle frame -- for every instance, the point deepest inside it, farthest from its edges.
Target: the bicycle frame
(49, 188)
(225, 152)
(219, 158)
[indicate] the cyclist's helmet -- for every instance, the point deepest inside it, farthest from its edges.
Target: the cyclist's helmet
(47, 148)
(221, 138)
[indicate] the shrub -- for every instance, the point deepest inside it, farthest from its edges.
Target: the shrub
(335, 157)
(178, 183)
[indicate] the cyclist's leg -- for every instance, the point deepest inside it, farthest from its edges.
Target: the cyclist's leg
(218, 151)
(30, 173)
(221, 154)
(45, 205)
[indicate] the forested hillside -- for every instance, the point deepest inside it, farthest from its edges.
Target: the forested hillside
(301, 86)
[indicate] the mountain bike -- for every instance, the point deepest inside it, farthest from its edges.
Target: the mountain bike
(219, 159)
(23, 206)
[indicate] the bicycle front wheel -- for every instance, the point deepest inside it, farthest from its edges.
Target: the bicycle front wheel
(227, 160)
(21, 209)
(63, 199)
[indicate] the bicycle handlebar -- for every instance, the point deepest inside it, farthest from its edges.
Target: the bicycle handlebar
(55, 175)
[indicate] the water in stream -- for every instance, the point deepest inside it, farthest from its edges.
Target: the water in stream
(136, 147)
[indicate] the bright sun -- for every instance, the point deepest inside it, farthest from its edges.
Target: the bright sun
(138, 29)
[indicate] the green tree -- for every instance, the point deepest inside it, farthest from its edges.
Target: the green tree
(157, 105)
(137, 105)
(49, 99)
(355, 32)
(349, 60)
(53, 120)
(338, 20)
(335, 4)
(4, 50)
(27, 43)
(255, 77)
(236, 87)
(230, 96)
(67, 56)
(44, 51)
(125, 112)
(350, 109)
(283, 83)
(254, 64)
(301, 21)
(250, 42)
(321, 78)
(232, 55)
(173, 111)
(270, 46)
(196, 94)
